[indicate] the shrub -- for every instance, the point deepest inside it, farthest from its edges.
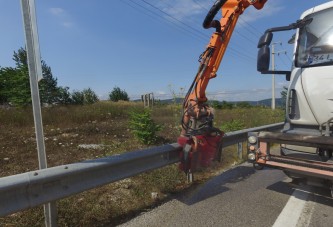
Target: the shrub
(90, 96)
(117, 94)
(143, 127)
(216, 105)
(232, 125)
(244, 105)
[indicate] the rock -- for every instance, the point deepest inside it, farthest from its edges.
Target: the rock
(92, 146)
(154, 195)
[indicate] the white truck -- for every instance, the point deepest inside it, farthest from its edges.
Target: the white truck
(306, 141)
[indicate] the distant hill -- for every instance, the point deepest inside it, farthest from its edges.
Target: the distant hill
(264, 102)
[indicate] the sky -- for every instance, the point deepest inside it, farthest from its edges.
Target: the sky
(144, 46)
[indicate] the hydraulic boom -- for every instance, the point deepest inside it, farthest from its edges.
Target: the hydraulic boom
(200, 140)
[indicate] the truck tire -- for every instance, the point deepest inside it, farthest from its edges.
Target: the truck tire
(257, 166)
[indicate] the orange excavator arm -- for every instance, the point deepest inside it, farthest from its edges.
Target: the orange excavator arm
(197, 120)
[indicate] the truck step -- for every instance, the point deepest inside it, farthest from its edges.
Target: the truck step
(328, 166)
(325, 142)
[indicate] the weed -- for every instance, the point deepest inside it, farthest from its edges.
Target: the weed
(232, 125)
(143, 126)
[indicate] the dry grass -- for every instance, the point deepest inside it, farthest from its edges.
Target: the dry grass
(66, 127)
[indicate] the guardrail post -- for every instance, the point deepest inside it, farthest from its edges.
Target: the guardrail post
(240, 150)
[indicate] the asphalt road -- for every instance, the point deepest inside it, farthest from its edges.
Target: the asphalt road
(243, 196)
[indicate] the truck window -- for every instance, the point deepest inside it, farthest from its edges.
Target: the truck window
(315, 41)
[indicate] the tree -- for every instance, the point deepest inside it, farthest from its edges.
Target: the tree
(64, 96)
(244, 104)
(48, 89)
(216, 104)
(117, 94)
(227, 105)
(15, 83)
(87, 96)
(15, 86)
(78, 98)
(90, 96)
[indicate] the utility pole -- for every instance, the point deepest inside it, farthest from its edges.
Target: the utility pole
(273, 76)
(273, 69)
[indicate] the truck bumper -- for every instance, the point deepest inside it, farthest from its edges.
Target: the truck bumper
(259, 153)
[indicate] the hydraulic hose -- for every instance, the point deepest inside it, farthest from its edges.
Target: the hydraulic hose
(209, 22)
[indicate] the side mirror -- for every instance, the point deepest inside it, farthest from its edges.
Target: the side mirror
(263, 59)
(265, 39)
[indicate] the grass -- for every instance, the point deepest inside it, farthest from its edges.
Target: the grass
(66, 127)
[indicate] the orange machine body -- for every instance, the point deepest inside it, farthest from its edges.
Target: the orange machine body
(197, 117)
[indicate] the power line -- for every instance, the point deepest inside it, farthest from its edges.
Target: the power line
(240, 34)
(282, 60)
(158, 16)
(288, 58)
(237, 56)
(186, 25)
(240, 53)
(246, 38)
(241, 19)
(251, 26)
(195, 32)
(172, 7)
(199, 4)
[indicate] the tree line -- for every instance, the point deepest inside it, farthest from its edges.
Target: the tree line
(15, 86)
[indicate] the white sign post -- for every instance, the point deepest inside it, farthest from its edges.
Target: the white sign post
(35, 74)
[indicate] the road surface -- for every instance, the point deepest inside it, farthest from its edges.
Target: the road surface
(243, 196)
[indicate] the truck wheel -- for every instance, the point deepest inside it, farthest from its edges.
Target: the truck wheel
(257, 166)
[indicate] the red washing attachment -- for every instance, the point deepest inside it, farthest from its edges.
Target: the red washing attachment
(199, 151)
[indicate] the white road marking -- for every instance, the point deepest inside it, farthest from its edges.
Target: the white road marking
(292, 211)
(304, 220)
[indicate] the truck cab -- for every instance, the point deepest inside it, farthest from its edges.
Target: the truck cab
(306, 141)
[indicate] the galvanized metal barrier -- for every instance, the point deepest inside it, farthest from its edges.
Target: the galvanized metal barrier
(238, 137)
(30, 189)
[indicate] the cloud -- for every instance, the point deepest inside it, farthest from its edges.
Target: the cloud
(56, 11)
(181, 9)
(252, 14)
(68, 24)
(62, 16)
(161, 93)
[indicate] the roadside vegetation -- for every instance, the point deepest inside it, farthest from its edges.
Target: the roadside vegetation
(74, 133)
(78, 126)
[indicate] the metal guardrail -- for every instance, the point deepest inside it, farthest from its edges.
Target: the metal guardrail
(30, 189)
(235, 137)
